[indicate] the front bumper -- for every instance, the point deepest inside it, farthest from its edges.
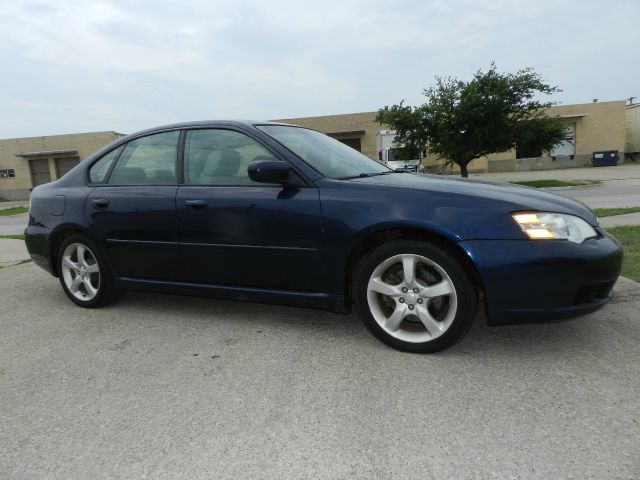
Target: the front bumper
(536, 281)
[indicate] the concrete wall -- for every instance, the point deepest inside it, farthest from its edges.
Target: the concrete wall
(18, 188)
(539, 163)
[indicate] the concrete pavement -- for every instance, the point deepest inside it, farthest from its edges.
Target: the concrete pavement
(12, 252)
(14, 224)
(160, 386)
(620, 220)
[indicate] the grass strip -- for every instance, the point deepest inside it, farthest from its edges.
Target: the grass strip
(6, 212)
(629, 237)
(608, 212)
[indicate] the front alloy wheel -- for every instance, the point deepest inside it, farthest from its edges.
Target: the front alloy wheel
(415, 296)
(412, 298)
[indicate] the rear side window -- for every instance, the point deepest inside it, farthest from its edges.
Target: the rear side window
(99, 170)
(148, 160)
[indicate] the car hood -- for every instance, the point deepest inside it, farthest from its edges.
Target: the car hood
(517, 196)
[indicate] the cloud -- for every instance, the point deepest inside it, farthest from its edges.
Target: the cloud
(116, 64)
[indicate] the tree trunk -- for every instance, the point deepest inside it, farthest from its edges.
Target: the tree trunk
(463, 170)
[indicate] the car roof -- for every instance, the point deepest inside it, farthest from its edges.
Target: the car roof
(208, 123)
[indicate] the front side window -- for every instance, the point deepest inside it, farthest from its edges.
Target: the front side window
(330, 157)
(148, 160)
(99, 170)
(220, 157)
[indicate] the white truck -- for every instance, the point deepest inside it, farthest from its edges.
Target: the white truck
(393, 156)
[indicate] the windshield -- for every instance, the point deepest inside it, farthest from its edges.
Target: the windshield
(330, 157)
(403, 154)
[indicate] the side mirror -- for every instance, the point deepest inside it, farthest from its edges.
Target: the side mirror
(269, 171)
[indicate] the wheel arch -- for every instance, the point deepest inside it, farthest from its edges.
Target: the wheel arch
(378, 237)
(58, 236)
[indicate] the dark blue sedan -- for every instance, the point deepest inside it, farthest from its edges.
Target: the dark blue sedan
(281, 214)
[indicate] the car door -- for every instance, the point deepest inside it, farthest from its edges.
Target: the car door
(132, 207)
(235, 231)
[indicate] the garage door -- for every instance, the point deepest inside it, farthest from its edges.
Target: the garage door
(39, 171)
(63, 165)
(566, 147)
(352, 142)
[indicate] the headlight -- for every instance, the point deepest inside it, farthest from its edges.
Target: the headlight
(546, 225)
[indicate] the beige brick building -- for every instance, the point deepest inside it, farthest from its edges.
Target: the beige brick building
(31, 161)
(600, 126)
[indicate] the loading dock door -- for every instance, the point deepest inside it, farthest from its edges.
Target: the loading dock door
(354, 143)
(40, 173)
(566, 147)
(63, 165)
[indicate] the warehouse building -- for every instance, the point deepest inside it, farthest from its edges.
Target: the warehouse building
(32, 161)
(592, 127)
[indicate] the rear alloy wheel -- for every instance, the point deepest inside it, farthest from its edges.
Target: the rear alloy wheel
(84, 275)
(415, 296)
(80, 272)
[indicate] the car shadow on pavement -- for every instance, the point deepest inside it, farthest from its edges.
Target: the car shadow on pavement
(530, 339)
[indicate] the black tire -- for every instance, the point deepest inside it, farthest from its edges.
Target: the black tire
(466, 294)
(106, 293)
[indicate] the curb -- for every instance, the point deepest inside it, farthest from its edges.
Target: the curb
(573, 187)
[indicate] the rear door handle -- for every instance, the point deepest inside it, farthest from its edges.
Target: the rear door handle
(100, 203)
(196, 204)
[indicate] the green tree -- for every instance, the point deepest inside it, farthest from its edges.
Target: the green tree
(494, 112)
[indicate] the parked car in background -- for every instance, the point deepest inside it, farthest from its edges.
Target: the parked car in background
(281, 214)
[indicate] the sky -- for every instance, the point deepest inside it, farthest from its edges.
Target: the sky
(70, 66)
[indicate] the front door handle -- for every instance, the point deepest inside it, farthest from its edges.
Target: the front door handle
(100, 203)
(196, 204)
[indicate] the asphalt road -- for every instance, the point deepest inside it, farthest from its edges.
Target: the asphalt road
(176, 387)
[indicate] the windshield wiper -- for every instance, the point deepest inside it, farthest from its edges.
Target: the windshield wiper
(365, 175)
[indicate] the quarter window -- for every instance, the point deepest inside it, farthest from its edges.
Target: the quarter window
(99, 169)
(148, 160)
(220, 157)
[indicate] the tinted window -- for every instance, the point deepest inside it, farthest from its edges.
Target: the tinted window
(148, 160)
(98, 170)
(220, 157)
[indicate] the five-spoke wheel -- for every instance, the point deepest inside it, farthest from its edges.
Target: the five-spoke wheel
(83, 272)
(415, 296)
(412, 298)
(80, 271)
